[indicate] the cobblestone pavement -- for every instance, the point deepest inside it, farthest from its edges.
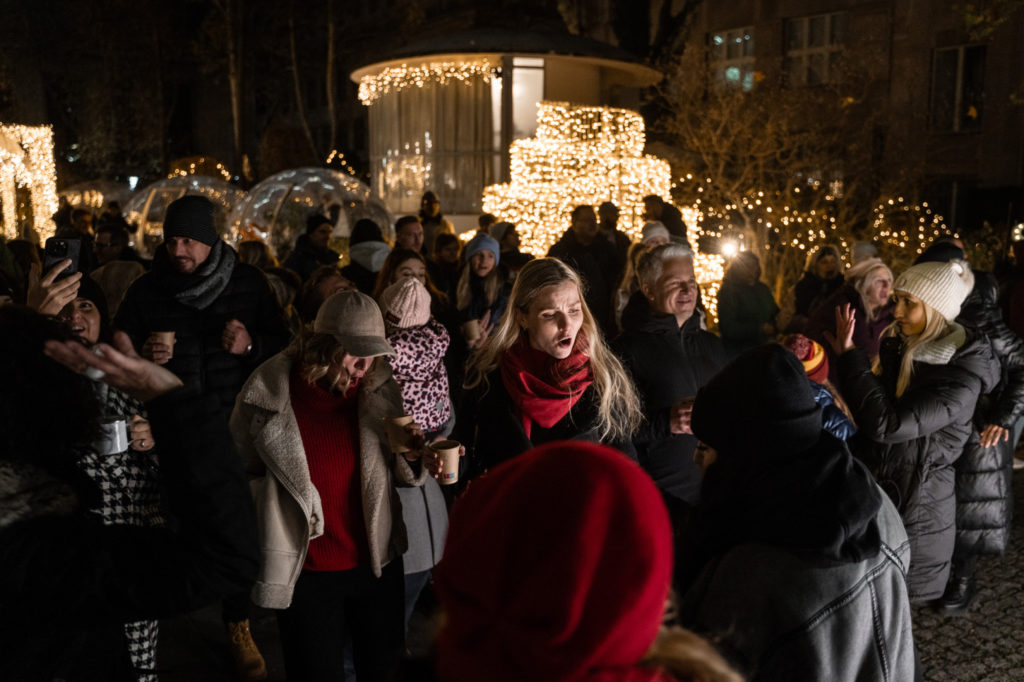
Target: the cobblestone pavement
(986, 643)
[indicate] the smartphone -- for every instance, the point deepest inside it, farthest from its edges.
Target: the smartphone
(57, 250)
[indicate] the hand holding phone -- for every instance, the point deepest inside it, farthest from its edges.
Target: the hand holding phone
(58, 250)
(47, 294)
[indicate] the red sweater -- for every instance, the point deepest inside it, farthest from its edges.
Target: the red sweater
(329, 426)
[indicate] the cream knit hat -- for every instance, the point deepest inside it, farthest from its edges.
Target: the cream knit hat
(943, 286)
(406, 303)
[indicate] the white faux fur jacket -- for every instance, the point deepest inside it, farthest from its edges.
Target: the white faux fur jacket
(287, 505)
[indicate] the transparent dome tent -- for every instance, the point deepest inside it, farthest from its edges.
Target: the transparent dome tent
(95, 194)
(149, 204)
(276, 209)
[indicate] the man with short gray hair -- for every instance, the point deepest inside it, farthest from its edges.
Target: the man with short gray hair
(670, 357)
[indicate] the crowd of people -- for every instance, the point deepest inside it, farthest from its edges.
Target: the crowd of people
(640, 492)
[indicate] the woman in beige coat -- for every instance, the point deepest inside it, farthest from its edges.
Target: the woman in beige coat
(310, 424)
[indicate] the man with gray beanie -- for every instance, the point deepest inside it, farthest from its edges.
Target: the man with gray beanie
(211, 320)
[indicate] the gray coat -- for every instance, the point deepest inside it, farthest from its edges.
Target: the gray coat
(787, 615)
(426, 523)
(288, 508)
(913, 441)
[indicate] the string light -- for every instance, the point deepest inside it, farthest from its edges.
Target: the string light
(26, 160)
(199, 166)
(397, 78)
(580, 156)
(898, 223)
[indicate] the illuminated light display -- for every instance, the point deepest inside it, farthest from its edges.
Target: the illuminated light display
(580, 155)
(393, 79)
(26, 160)
(904, 225)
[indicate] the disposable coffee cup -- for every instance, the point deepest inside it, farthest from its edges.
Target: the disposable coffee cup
(448, 451)
(397, 435)
(166, 338)
(471, 330)
(113, 436)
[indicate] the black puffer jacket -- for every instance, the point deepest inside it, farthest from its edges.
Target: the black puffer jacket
(669, 363)
(984, 491)
(199, 358)
(913, 441)
(493, 432)
(68, 583)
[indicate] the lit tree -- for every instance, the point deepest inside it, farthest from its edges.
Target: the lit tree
(782, 169)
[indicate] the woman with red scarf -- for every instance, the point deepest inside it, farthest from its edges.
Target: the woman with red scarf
(545, 374)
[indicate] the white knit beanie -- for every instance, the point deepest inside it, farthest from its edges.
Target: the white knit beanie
(406, 303)
(654, 229)
(943, 286)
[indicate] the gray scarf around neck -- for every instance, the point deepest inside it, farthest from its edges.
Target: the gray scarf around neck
(210, 279)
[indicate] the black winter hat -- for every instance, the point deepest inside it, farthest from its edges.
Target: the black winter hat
(191, 216)
(91, 291)
(365, 230)
(760, 404)
(940, 252)
(316, 220)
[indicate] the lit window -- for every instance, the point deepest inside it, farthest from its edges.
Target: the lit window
(732, 58)
(958, 88)
(814, 46)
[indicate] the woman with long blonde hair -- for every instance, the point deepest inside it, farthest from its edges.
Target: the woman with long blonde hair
(914, 407)
(544, 374)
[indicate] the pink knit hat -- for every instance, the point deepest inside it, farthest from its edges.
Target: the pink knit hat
(406, 303)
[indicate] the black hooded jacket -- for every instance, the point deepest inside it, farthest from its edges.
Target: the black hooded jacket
(794, 559)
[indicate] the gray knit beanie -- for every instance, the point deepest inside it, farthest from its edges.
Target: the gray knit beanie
(943, 286)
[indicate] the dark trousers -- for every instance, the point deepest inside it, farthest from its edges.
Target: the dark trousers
(327, 606)
(414, 584)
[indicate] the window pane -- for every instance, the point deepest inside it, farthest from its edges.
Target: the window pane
(748, 43)
(973, 94)
(944, 89)
(816, 31)
(527, 90)
(838, 29)
(794, 34)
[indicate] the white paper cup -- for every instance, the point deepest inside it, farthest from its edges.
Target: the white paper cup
(114, 436)
(166, 338)
(448, 451)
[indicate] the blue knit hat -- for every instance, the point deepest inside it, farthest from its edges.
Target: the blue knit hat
(483, 242)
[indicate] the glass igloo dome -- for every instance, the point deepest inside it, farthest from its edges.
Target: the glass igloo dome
(276, 209)
(149, 204)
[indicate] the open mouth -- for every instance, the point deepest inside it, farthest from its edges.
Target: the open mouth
(565, 342)
(77, 330)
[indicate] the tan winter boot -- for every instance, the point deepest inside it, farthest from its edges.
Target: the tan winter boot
(249, 663)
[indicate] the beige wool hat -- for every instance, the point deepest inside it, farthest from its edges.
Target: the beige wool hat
(406, 303)
(943, 286)
(355, 321)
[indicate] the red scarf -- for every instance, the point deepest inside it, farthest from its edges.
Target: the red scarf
(543, 388)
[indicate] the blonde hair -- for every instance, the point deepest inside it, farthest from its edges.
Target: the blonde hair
(862, 276)
(687, 656)
(316, 352)
(619, 411)
(463, 292)
(935, 327)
